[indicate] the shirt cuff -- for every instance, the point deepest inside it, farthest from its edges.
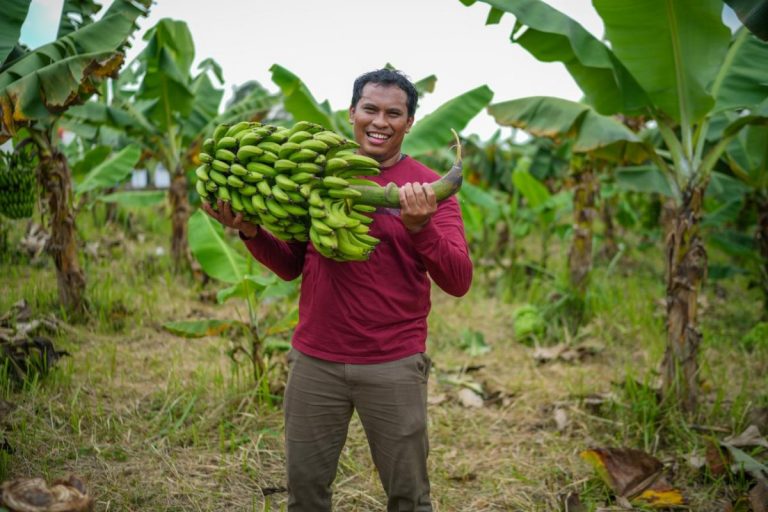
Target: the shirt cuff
(246, 238)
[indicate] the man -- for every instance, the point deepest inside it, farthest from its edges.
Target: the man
(360, 341)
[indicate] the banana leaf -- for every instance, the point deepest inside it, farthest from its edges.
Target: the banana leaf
(93, 157)
(111, 172)
(743, 79)
(248, 285)
(753, 14)
(433, 131)
(673, 48)
(209, 247)
(747, 156)
(298, 100)
(204, 108)
(423, 86)
(551, 36)
(643, 178)
(601, 136)
(202, 328)
(534, 192)
(44, 82)
(135, 199)
(76, 14)
(167, 59)
(14, 14)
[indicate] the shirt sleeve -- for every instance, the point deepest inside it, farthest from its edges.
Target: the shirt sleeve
(443, 249)
(286, 259)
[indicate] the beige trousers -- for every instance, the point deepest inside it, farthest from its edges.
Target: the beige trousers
(391, 401)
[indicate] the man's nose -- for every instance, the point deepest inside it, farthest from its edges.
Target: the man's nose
(380, 120)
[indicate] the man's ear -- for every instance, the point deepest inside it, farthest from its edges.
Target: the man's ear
(409, 125)
(351, 114)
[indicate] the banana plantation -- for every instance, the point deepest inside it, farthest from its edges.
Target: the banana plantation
(611, 353)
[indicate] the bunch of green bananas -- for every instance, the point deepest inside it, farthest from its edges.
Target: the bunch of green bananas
(297, 182)
(18, 190)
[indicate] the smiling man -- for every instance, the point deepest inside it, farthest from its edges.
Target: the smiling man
(360, 344)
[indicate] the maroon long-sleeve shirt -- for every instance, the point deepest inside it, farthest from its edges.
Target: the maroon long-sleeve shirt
(374, 311)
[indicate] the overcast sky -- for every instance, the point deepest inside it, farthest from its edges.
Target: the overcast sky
(329, 43)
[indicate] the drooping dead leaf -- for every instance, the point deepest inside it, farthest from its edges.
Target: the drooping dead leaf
(34, 495)
(750, 437)
(633, 475)
(469, 398)
(717, 460)
(758, 497)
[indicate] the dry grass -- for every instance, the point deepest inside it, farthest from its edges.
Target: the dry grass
(156, 422)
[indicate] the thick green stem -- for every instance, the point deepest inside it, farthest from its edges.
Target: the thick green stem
(389, 196)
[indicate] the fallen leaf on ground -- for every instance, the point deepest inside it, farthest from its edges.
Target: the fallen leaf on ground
(633, 475)
(758, 497)
(572, 503)
(565, 352)
(469, 398)
(437, 399)
(561, 419)
(750, 437)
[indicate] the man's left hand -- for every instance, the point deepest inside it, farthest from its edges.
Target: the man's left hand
(417, 205)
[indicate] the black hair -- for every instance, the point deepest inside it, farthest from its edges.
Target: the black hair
(387, 77)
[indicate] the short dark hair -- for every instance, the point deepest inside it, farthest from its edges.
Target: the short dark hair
(387, 77)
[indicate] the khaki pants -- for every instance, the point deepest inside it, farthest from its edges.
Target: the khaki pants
(391, 401)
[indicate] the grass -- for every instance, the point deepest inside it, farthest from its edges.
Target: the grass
(157, 422)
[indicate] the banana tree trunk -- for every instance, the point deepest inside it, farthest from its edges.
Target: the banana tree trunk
(56, 182)
(686, 270)
(180, 211)
(762, 244)
(580, 254)
(610, 246)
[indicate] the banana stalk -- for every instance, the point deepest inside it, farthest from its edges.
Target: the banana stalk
(389, 196)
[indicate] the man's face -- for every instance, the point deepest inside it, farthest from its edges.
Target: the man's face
(381, 121)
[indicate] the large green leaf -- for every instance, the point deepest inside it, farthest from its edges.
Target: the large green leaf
(136, 198)
(205, 107)
(551, 36)
(168, 58)
(126, 118)
(673, 48)
(434, 130)
(748, 156)
(535, 193)
(91, 159)
(14, 14)
(212, 251)
(44, 82)
(753, 14)
(201, 328)
(560, 119)
(643, 178)
(252, 106)
(298, 100)
(112, 171)
(743, 78)
(76, 14)
(248, 285)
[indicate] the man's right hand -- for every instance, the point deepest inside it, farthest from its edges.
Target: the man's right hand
(227, 217)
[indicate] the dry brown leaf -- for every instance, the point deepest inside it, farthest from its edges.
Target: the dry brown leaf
(437, 399)
(565, 352)
(34, 495)
(717, 460)
(633, 475)
(750, 437)
(469, 398)
(758, 497)
(561, 419)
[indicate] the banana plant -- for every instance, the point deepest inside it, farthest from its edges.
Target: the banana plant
(596, 141)
(248, 281)
(747, 157)
(36, 86)
(691, 69)
(430, 133)
(160, 104)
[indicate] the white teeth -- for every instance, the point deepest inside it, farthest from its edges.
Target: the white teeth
(378, 136)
